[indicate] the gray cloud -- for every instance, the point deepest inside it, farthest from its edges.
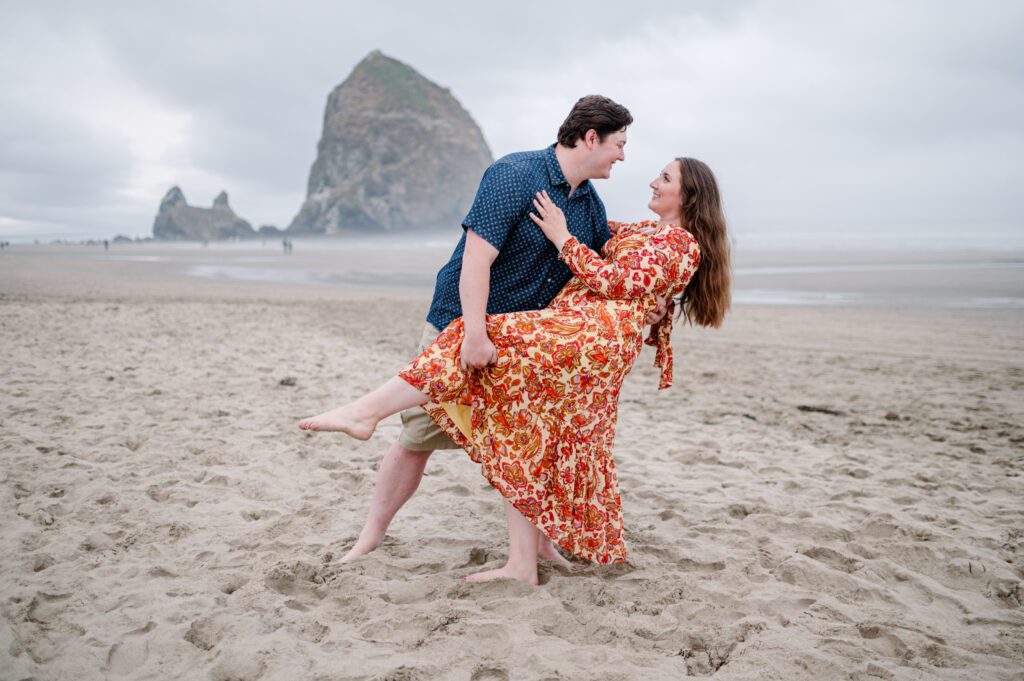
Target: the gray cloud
(815, 116)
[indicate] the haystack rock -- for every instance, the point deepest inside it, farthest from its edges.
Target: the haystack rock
(179, 221)
(397, 152)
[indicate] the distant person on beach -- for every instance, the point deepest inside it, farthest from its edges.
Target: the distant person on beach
(503, 264)
(540, 415)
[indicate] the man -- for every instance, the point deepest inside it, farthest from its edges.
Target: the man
(504, 263)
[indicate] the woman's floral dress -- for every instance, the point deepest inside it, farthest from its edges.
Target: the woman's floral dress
(541, 421)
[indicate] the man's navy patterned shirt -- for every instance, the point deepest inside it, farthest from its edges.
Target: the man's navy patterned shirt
(527, 273)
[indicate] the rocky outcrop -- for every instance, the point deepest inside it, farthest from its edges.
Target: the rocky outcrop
(397, 152)
(176, 220)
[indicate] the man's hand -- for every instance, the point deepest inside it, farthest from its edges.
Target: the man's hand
(477, 352)
(474, 285)
(658, 313)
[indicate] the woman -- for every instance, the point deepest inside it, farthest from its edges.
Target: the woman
(541, 421)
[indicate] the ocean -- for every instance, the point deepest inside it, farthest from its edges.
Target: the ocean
(893, 277)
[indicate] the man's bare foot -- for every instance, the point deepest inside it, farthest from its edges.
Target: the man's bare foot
(341, 420)
(523, 575)
(546, 551)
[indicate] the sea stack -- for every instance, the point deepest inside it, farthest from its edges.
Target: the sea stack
(397, 152)
(176, 220)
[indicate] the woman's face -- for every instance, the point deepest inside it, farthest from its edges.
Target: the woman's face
(667, 200)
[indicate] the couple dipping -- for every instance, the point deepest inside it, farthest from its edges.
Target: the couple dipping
(535, 321)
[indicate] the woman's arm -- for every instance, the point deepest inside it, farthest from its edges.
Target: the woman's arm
(614, 226)
(654, 266)
(656, 263)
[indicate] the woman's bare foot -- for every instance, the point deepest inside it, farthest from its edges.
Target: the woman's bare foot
(346, 419)
(522, 574)
(546, 551)
(359, 550)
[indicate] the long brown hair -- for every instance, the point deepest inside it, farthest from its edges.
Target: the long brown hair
(708, 296)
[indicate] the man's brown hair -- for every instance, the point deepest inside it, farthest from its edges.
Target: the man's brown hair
(593, 112)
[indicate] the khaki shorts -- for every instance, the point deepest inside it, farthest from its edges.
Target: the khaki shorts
(419, 432)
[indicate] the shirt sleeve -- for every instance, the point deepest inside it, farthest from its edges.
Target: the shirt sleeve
(663, 261)
(501, 202)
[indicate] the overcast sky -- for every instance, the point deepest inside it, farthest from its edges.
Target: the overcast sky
(848, 119)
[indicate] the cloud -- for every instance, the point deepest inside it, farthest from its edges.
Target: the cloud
(813, 115)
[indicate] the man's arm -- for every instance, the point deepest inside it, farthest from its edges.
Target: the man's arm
(474, 287)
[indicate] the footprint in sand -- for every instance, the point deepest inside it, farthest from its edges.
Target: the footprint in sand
(786, 608)
(45, 608)
(205, 633)
(697, 566)
(233, 583)
(258, 514)
(238, 666)
(314, 632)
(296, 577)
(477, 556)
(160, 493)
(402, 673)
(833, 559)
(738, 511)
(402, 593)
(882, 641)
(97, 541)
(330, 464)
(131, 652)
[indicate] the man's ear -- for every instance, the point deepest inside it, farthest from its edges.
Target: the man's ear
(590, 138)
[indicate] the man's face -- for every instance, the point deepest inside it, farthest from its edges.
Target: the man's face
(605, 154)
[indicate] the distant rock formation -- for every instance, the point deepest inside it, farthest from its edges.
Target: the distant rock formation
(176, 220)
(397, 152)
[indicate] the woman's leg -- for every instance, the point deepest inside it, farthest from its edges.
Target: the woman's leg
(546, 551)
(522, 551)
(359, 419)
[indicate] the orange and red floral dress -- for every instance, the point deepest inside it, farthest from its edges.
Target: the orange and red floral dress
(541, 421)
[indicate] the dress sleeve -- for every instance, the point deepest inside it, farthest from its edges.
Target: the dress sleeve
(660, 338)
(663, 264)
(657, 263)
(613, 229)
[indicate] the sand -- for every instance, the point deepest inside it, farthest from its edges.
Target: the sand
(826, 493)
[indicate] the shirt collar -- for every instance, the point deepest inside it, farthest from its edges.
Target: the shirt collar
(557, 177)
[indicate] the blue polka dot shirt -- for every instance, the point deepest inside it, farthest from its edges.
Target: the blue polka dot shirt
(527, 273)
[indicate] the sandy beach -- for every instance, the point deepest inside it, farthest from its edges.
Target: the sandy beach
(828, 492)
